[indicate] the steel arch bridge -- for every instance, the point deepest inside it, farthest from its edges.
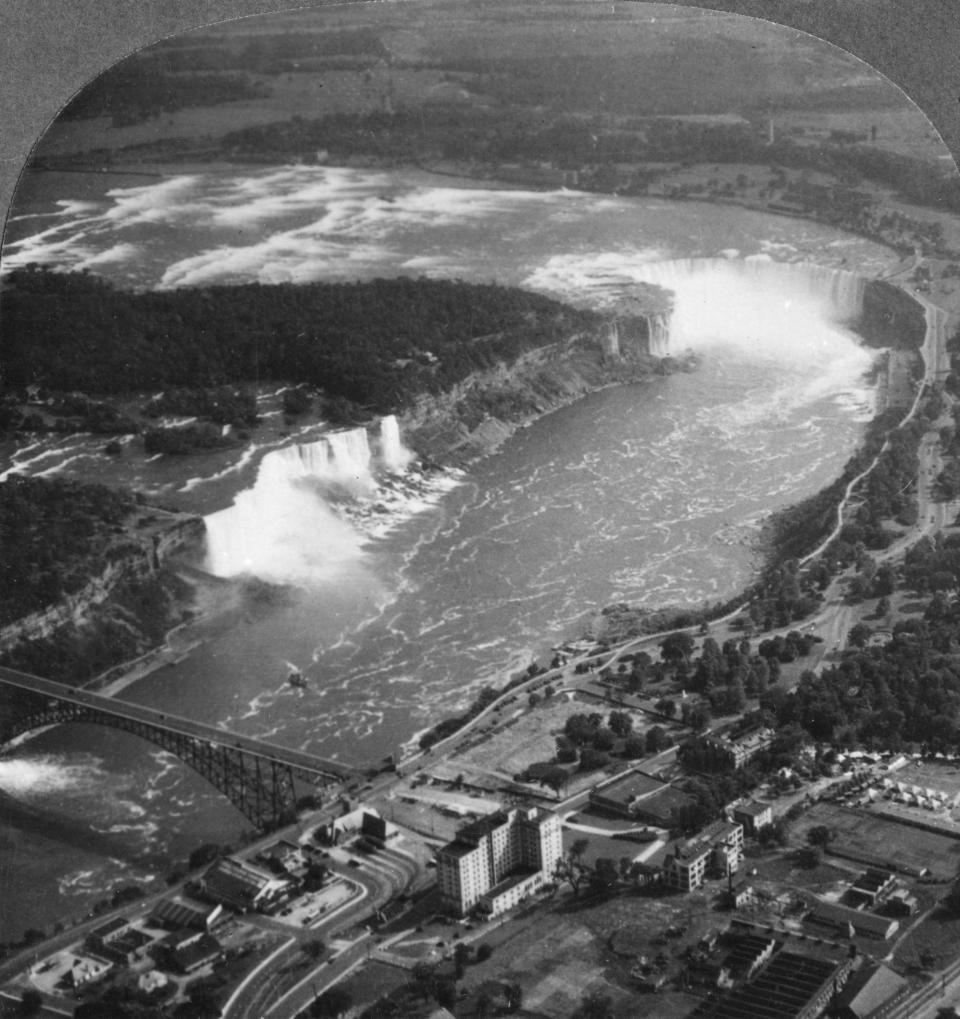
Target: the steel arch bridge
(257, 777)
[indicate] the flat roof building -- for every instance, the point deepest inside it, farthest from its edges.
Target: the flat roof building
(716, 851)
(639, 796)
(789, 986)
(853, 922)
(753, 815)
(478, 868)
(242, 886)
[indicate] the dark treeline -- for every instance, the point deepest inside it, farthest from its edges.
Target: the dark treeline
(573, 142)
(140, 87)
(378, 344)
(54, 536)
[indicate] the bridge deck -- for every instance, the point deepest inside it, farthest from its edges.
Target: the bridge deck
(176, 724)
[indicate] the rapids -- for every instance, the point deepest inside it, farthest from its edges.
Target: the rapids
(644, 493)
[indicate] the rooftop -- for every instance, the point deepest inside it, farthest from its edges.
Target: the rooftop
(634, 785)
(458, 849)
(782, 990)
(110, 927)
(871, 988)
(752, 809)
(836, 916)
(509, 882)
(476, 830)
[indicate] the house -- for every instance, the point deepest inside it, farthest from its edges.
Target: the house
(753, 815)
(283, 857)
(900, 903)
(871, 887)
(736, 752)
(716, 851)
(243, 886)
(99, 938)
(204, 951)
(726, 840)
(686, 867)
(176, 914)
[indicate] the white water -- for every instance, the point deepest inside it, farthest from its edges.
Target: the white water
(393, 454)
(796, 315)
(288, 526)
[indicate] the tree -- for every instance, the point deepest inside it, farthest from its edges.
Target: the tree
(634, 746)
(446, 994)
(656, 739)
(570, 868)
(808, 857)
(592, 760)
(605, 874)
(314, 948)
(556, 779)
(666, 706)
(604, 739)
(484, 952)
(696, 716)
(677, 647)
(859, 635)
(332, 1003)
(31, 1002)
(621, 724)
(425, 979)
(820, 835)
(595, 1005)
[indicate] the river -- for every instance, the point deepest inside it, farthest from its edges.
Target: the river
(648, 493)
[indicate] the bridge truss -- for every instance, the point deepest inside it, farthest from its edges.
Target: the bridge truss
(260, 785)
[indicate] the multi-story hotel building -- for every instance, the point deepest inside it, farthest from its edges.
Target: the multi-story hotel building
(495, 862)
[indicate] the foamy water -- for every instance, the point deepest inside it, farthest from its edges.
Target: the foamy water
(642, 494)
(301, 223)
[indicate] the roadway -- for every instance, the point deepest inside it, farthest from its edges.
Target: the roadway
(270, 752)
(285, 988)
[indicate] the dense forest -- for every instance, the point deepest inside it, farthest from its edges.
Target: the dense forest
(54, 536)
(377, 344)
(139, 88)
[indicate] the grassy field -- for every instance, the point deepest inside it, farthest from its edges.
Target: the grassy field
(558, 956)
(930, 945)
(883, 841)
(531, 738)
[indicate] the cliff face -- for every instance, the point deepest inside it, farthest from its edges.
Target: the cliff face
(476, 416)
(123, 612)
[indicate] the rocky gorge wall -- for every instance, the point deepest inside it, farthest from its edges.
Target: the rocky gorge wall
(136, 561)
(474, 417)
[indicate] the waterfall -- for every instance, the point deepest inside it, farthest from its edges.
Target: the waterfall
(658, 331)
(283, 528)
(394, 456)
(767, 306)
(610, 344)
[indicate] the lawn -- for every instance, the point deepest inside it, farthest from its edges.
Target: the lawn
(932, 944)
(881, 842)
(531, 738)
(561, 949)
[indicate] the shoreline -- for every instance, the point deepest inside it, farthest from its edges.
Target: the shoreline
(124, 675)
